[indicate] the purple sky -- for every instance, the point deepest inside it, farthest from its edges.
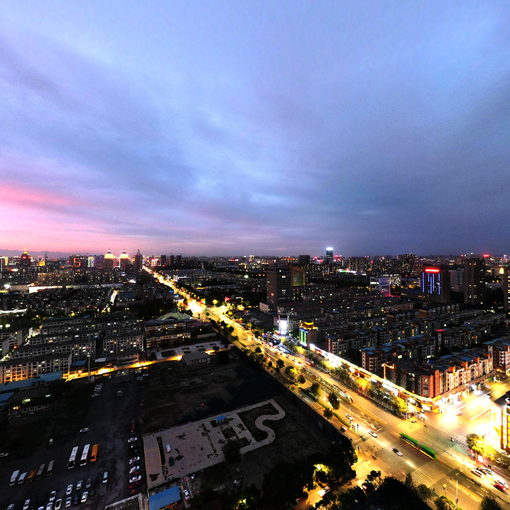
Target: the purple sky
(215, 127)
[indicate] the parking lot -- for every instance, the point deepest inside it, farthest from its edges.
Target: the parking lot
(111, 420)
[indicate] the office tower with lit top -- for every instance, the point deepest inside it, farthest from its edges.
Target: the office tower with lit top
(435, 284)
(329, 255)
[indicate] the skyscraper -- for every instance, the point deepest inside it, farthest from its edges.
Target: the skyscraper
(505, 284)
(109, 259)
(138, 262)
(124, 261)
(474, 285)
(329, 254)
(435, 283)
(278, 285)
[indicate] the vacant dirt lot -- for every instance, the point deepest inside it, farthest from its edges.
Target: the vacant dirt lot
(173, 396)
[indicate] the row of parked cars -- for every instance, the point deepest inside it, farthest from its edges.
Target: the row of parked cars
(73, 496)
(134, 464)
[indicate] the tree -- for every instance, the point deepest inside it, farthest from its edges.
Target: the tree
(258, 349)
(232, 450)
(489, 503)
(279, 364)
(334, 400)
(374, 476)
(290, 372)
(443, 503)
(301, 379)
(315, 389)
(425, 492)
(328, 413)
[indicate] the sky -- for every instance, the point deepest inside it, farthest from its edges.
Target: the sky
(255, 127)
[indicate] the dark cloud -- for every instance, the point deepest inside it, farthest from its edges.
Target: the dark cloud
(257, 128)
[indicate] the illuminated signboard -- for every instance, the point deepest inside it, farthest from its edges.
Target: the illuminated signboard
(431, 270)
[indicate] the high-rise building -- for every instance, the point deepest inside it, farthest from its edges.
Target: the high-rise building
(109, 260)
(138, 262)
(505, 284)
(474, 281)
(303, 260)
(25, 261)
(435, 283)
(163, 260)
(278, 285)
(329, 254)
(124, 261)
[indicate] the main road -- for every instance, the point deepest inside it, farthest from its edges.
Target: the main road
(450, 475)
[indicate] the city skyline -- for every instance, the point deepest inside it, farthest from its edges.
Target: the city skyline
(255, 128)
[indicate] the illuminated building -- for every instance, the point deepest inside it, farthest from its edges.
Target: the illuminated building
(435, 283)
(109, 260)
(501, 420)
(506, 288)
(474, 284)
(283, 284)
(124, 261)
(25, 260)
(278, 285)
(308, 333)
(499, 349)
(329, 255)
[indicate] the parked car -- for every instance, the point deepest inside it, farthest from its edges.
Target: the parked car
(135, 479)
(69, 489)
(134, 470)
(132, 439)
(83, 430)
(372, 433)
(79, 485)
(84, 497)
(68, 502)
(53, 495)
(397, 451)
(58, 504)
(134, 459)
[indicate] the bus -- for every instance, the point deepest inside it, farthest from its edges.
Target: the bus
(40, 471)
(14, 477)
(85, 455)
(429, 452)
(49, 471)
(93, 453)
(72, 459)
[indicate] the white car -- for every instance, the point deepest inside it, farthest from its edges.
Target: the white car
(26, 504)
(134, 459)
(69, 489)
(68, 502)
(397, 451)
(53, 495)
(49, 506)
(58, 504)
(84, 497)
(132, 439)
(134, 470)
(85, 429)
(187, 495)
(134, 479)
(79, 485)
(372, 433)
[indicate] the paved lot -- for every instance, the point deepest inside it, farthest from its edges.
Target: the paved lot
(182, 450)
(108, 419)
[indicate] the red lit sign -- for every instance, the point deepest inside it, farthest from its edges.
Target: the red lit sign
(431, 270)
